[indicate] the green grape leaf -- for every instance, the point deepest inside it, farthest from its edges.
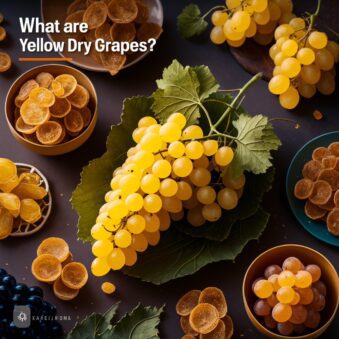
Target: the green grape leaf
(89, 195)
(182, 89)
(141, 322)
(178, 255)
(190, 22)
(255, 140)
(255, 188)
(94, 325)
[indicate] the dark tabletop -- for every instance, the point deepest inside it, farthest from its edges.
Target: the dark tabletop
(63, 173)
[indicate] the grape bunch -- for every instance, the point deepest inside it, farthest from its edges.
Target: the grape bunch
(13, 293)
(290, 297)
(256, 19)
(304, 61)
(170, 171)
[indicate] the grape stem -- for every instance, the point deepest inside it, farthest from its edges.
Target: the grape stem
(212, 9)
(312, 20)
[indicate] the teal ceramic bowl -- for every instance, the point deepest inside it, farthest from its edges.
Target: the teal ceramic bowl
(317, 229)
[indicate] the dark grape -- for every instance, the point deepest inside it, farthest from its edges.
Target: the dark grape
(20, 289)
(49, 309)
(2, 272)
(285, 328)
(8, 281)
(35, 302)
(35, 290)
(56, 329)
(5, 294)
(18, 299)
(272, 269)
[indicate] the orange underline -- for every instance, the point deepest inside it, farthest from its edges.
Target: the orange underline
(45, 59)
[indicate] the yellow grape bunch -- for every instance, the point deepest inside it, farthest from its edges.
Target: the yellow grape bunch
(304, 62)
(255, 19)
(173, 172)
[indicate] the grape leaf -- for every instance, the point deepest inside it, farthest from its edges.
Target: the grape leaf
(94, 325)
(255, 188)
(178, 255)
(255, 141)
(89, 195)
(141, 322)
(190, 22)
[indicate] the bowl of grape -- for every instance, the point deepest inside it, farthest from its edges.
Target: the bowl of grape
(291, 291)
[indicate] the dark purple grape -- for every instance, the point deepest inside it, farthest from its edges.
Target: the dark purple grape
(56, 329)
(49, 309)
(35, 290)
(8, 281)
(5, 294)
(18, 299)
(2, 272)
(285, 328)
(20, 289)
(35, 302)
(272, 269)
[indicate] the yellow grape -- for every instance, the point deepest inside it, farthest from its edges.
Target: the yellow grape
(236, 43)
(285, 294)
(283, 30)
(168, 187)
(290, 98)
(201, 162)
(171, 204)
(182, 167)
(211, 212)
(170, 132)
(152, 203)
(210, 147)
(154, 129)
(165, 220)
(136, 224)
(279, 58)
(333, 47)
(143, 159)
(101, 248)
(324, 59)
(134, 202)
(184, 190)
(177, 118)
(297, 23)
(206, 195)
(279, 84)
(285, 5)
(277, 70)
(263, 39)
(303, 279)
(233, 3)
(289, 47)
(151, 142)
(240, 21)
(230, 34)
(317, 40)
(146, 121)
(152, 222)
(176, 149)
(138, 133)
(263, 17)
(194, 150)
(108, 287)
(275, 11)
(192, 132)
(263, 289)
(285, 18)
(235, 183)
(217, 35)
(219, 18)
(153, 238)
(281, 312)
(280, 41)
(224, 156)
(228, 198)
(310, 74)
(259, 5)
(100, 267)
(290, 67)
(195, 217)
(286, 278)
(116, 259)
(273, 51)
(326, 84)
(306, 56)
(131, 256)
(267, 28)
(251, 30)
(122, 238)
(306, 90)
(139, 242)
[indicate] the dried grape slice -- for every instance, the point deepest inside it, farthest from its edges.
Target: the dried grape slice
(321, 193)
(86, 116)
(57, 247)
(80, 97)
(57, 88)
(33, 114)
(331, 176)
(73, 121)
(187, 302)
(6, 223)
(10, 201)
(186, 327)
(204, 318)
(26, 89)
(49, 132)
(18, 103)
(329, 162)
(103, 32)
(30, 191)
(24, 128)
(314, 212)
(123, 32)
(60, 108)
(122, 11)
(74, 275)
(68, 83)
(311, 170)
(319, 153)
(9, 185)
(96, 56)
(7, 170)
(95, 15)
(229, 327)
(332, 222)
(334, 148)
(46, 268)
(44, 79)
(329, 205)
(113, 61)
(43, 96)
(303, 189)
(215, 297)
(5, 62)
(218, 333)
(30, 178)
(76, 17)
(149, 30)
(63, 292)
(30, 211)
(143, 13)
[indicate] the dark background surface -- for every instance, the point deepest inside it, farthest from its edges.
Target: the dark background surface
(63, 173)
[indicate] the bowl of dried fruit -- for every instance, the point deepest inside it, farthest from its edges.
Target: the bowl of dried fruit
(52, 109)
(291, 291)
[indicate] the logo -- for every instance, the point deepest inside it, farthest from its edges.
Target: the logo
(22, 316)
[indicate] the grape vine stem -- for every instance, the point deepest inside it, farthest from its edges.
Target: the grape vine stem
(312, 19)
(212, 9)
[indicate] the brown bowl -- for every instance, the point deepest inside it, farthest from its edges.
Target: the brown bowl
(277, 255)
(55, 70)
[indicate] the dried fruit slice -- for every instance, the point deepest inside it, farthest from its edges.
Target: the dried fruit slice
(11, 202)
(329, 205)
(186, 327)
(334, 148)
(33, 114)
(9, 185)
(143, 13)
(57, 247)
(60, 108)
(18, 103)
(332, 222)
(30, 211)
(314, 212)
(30, 178)
(122, 11)
(218, 333)
(103, 32)
(321, 193)
(329, 162)
(187, 302)
(303, 189)
(123, 32)
(46, 268)
(312, 169)
(149, 30)
(24, 128)
(29, 191)
(49, 132)
(336, 198)
(5, 62)
(96, 56)
(204, 318)
(79, 98)
(229, 327)
(113, 61)
(6, 223)
(86, 116)
(31, 138)
(74, 275)
(95, 15)
(76, 5)
(43, 96)
(63, 134)
(76, 17)
(57, 89)
(7, 170)
(331, 176)
(73, 121)
(44, 79)
(68, 83)
(63, 292)
(26, 89)
(319, 153)
(215, 297)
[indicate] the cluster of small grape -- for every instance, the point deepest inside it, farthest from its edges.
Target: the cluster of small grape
(12, 294)
(255, 19)
(169, 169)
(304, 62)
(291, 297)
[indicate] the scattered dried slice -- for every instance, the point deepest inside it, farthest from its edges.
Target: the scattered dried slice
(86, 116)
(218, 333)
(43, 96)
(3, 33)
(57, 247)
(336, 198)
(21, 127)
(7, 170)
(228, 326)
(63, 292)
(113, 61)
(331, 176)
(33, 114)
(149, 30)
(49, 132)
(30, 191)
(57, 89)
(334, 148)
(6, 223)
(143, 13)
(9, 185)
(204, 318)
(312, 169)
(44, 79)
(321, 193)
(215, 297)
(186, 327)
(314, 212)
(319, 153)
(123, 32)
(75, 6)
(5, 62)
(68, 83)
(73, 121)
(332, 221)
(187, 302)
(303, 189)
(30, 178)
(11, 202)
(329, 162)
(103, 32)
(96, 14)
(122, 11)
(30, 211)
(63, 134)
(26, 89)
(60, 108)
(46, 268)
(74, 275)
(79, 98)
